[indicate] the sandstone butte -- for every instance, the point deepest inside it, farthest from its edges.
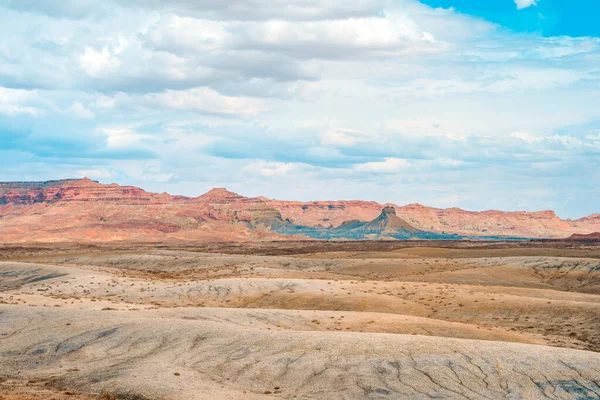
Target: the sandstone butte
(89, 211)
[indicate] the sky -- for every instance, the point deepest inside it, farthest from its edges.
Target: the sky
(448, 103)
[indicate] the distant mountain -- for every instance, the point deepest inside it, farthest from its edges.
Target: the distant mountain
(542, 224)
(386, 226)
(89, 211)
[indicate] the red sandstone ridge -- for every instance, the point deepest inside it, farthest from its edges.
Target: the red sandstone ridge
(591, 236)
(486, 223)
(86, 210)
(326, 213)
(78, 190)
(543, 224)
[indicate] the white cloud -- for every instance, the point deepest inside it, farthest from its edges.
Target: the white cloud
(122, 137)
(395, 34)
(450, 163)
(390, 165)
(414, 126)
(204, 100)
(264, 9)
(273, 169)
(526, 137)
(175, 33)
(97, 63)
(17, 101)
(105, 102)
(345, 137)
(78, 110)
(521, 4)
(349, 38)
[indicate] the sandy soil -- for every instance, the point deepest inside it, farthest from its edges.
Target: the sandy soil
(326, 321)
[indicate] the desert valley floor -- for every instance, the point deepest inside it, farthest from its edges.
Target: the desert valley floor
(306, 320)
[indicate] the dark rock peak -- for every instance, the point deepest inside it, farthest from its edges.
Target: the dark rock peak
(388, 210)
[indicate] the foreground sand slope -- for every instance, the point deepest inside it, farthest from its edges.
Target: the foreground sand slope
(140, 323)
(187, 359)
(538, 297)
(136, 282)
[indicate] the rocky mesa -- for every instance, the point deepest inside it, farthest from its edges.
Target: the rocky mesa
(87, 210)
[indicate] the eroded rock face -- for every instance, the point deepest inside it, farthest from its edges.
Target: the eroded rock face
(486, 223)
(227, 206)
(73, 190)
(543, 224)
(88, 210)
(29, 192)
(327, 213)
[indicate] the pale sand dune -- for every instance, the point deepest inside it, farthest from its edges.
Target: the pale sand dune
(315, 326)
(134, 354)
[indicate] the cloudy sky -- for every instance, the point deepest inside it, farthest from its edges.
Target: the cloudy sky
(466, 103)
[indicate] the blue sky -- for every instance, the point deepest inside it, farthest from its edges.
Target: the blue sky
(545, 17)
(478, 105)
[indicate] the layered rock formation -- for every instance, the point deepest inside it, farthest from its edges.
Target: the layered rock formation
(487, 223)
(387, 225)
(74, 190)
(589, 236)
(86, 210)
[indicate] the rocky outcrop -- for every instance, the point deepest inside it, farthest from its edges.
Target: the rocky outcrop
(388, 221)
(387, 225)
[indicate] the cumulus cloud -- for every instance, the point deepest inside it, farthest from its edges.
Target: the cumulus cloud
(105, 102)
(96, 63)
(78, 110)
(389, 165)
(264, 9)
(215, 9)
(526, 137)
(203, 100)
(345, 137)
(122, 137)
(349, 38)
(184, 34)
(521, 4)
(396, 34)
(274, 169)
(17, 101)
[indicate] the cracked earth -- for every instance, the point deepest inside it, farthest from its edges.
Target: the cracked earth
(319, 323)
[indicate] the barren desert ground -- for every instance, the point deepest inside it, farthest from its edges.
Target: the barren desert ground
(307, 320)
